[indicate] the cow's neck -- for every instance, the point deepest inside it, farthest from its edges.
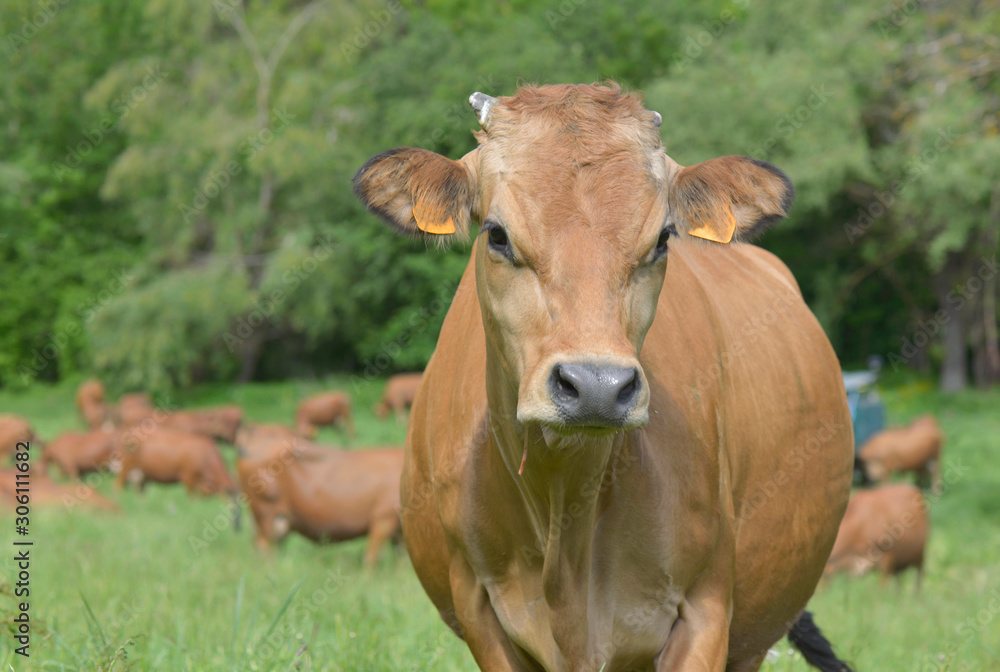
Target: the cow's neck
(558, 496)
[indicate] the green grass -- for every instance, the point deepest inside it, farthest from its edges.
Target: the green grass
(133, 592)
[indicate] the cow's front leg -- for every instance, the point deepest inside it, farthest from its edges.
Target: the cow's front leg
(699, 639)
(481, 629)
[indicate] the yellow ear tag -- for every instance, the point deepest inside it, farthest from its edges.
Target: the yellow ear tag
(429, 220)
(715, 232)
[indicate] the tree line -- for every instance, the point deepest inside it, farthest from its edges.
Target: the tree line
(175, 194)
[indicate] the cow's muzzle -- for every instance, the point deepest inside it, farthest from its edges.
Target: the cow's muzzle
(593, 395)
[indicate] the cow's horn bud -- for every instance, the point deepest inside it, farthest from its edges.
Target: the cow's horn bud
(657, 119)
(482, 104)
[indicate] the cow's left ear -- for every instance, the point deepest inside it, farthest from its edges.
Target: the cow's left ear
(419, 193)
(729, 197)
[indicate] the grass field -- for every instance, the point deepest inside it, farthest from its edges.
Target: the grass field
(159, 587)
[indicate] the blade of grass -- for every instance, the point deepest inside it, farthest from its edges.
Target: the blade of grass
(284, 606)
(93, 619)
(246, 640)
(236, 616)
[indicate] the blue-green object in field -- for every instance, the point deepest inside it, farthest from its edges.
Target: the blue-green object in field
(867, 411)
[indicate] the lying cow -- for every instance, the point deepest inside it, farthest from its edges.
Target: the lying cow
(589, 458)
(168, 455)
(883, 528)
(15, 429)
(45, 493)
(90, 403)
(916, 448)
(322, 493)
(400, 391)
(327, 409)
(220, 422)
(75, 453)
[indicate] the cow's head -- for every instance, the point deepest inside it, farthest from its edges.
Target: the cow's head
(577, 202)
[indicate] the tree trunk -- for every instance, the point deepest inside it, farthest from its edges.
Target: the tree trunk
(954, 366)
(250, 353)
(991, 343)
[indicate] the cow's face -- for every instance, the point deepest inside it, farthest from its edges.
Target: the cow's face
(577, 203)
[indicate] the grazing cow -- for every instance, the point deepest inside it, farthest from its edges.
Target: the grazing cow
(587, 487)
(916, 448)
(884, 528)
(324, 494)
(169, 455)
(90, 403)
(133, 408)
(14, 429)
(220, 422)
(400, 391)
(75, 453)
(328, 409)
(46, 493)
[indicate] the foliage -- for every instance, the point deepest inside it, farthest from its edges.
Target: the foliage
(147, 146)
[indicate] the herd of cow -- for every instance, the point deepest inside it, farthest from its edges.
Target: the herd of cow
(289, 482)
(587, 472)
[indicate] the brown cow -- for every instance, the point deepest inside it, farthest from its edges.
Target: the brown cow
(14, 429)
(323, 494)
(75, 453)
(219, 422)
(133, 408)
(916, 448)
(885, 528)
(587, 487)
(90, 403)
(45, 493)
(328, 409)
(169, 455)
(400, 391)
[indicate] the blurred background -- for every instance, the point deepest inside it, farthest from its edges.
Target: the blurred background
(175, 198)
(176, 218)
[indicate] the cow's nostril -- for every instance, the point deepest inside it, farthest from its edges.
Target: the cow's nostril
(627, 394)
(563, 386)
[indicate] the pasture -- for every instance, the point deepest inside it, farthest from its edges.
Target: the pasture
(168, 585)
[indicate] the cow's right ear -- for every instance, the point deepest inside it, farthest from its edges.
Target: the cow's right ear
(418, 192)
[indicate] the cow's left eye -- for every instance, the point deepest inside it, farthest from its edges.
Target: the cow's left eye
(661, 242)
